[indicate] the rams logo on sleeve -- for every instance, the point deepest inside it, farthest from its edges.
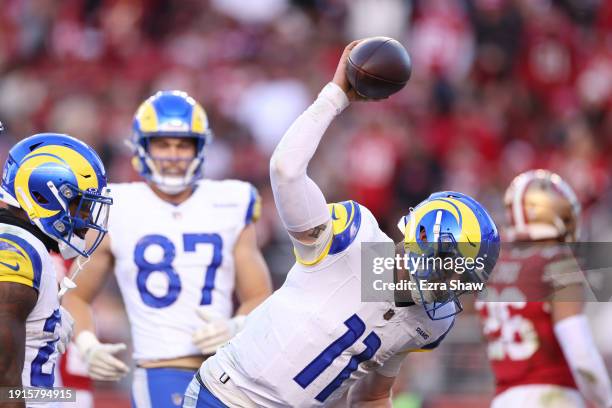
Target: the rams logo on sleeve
(19, 261)
(346, 220)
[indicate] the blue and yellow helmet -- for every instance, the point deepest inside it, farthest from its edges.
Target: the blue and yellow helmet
(449, 235)
(60, 182)
(169, 114)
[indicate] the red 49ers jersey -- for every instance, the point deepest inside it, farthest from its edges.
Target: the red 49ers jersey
(522, 346)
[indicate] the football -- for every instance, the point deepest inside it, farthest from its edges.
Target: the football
(378, 67)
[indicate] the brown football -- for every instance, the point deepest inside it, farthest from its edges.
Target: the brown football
(378, 67)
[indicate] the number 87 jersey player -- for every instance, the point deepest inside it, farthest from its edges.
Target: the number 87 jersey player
(179, 246)
(314, 339)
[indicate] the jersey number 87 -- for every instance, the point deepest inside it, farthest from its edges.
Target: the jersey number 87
(146, 268)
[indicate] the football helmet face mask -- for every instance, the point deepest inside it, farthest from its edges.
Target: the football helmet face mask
(542, 206)
(169, 114)
(60, 182)
(449, 236)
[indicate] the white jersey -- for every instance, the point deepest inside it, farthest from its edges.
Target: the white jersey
(171, 259)
(24, 259)
(314, 337)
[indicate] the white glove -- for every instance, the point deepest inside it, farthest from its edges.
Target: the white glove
(217, 330)
(101, 365)
(65, 330)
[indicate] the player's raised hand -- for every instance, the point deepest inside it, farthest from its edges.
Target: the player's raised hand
(101, 364)
(217, 330)
(340, 77)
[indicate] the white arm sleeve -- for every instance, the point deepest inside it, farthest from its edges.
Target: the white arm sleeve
(300, 203)
(574, 336)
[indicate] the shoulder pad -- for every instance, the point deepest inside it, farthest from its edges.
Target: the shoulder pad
(254, 208)
(346, 220)
(19, 261)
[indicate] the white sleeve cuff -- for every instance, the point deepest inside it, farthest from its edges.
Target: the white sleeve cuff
(336, 96)
(309, 253)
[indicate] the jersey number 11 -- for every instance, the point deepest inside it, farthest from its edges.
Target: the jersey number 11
(356, 328)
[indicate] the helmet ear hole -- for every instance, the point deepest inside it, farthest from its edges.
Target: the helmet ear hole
(422, 233)
(39, 197)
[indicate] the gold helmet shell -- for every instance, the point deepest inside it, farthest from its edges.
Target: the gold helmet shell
(542, 206)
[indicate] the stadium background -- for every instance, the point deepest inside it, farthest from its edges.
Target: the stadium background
(498, 87)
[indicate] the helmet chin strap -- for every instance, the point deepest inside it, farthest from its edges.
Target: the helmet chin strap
(67, 283)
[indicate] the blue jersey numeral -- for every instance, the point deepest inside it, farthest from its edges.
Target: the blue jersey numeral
(145, 268)
(190, 241)
(37, 377)
(356, 328)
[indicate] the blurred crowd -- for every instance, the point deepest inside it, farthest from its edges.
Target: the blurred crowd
(498, 87)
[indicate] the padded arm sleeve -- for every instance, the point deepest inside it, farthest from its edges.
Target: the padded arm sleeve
(574, 336)
(300, 202)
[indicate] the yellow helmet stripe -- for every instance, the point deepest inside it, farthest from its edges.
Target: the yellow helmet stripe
(147, 117)
(80, 166)
(470, 230)
(415, 217)
(466, 219)
(28, 203)
(199, 120)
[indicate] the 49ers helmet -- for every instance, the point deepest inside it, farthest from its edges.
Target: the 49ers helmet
(542, 206)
